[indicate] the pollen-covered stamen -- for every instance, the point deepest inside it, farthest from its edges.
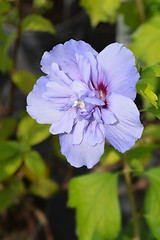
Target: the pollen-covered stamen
(80, 104)
(102, 91)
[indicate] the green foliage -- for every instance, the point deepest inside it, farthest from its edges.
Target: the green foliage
(7, 126)
(32, 133)
(4, 7)
(44, 188)
(95, 198)
(100, 11)
(146, 41)
(24, 80)
(5, 61)
(130, 13)
(150, 72)
(145, 90)
(10, 158)
(152, 199)
(34, 163)
(152, 130)
(10, 194)
(154, 111)
(38, 23)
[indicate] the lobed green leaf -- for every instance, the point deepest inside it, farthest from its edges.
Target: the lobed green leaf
(35, 22)
(97, 209)
(100, 11)
(32, 133)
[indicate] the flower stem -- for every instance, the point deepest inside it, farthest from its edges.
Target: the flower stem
(141, 10)
(128, 182)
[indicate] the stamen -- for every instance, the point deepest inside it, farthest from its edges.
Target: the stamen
(80, 104)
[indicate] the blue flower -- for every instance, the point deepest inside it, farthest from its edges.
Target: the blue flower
(87, 97)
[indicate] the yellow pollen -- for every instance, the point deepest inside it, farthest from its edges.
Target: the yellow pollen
(80, 104)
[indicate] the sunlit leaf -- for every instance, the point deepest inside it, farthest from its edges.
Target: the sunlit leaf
(152, 200)
(146, 42)
(35, 22)
(145, 90)
(34, 163)
(32, 133)
(95, 198)
(10, 194)
(10, 158)
(44, 188)
(150, 72)
(100, 11)
(7, 126)
(24, 80)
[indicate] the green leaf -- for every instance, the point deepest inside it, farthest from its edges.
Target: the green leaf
(35, 22)
(100, 11)
(7, 126)
(34, 163)
(146, 42)
(32, 133)
(95, 198)
(152, 200)
(10, 159)
(145, 90)
(130, 13)
(10, 194)
(24, 80)
(154, 111)
(44, 188)
(152, 130)
(5, 61)
(4, 7)
(151, 72)
(96, 236)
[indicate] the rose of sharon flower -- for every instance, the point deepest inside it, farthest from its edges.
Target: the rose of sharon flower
(87, 97)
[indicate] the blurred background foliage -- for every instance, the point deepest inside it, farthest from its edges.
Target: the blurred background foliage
(29, 175)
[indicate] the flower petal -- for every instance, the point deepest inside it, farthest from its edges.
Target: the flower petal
(80, 154)
(108, 117)
(64, 56)
(84, 68)
(65, 124)
(78, 131)
(94, 133)
(38, 107)
(118, 63)
(122, 135)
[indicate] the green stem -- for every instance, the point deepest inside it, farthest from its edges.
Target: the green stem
(141, 10)
(128, 182)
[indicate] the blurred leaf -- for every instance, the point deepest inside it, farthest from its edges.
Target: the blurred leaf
(100, 11)
(130, 14)
(4, 7)
(10, 158)
(154, 111)
(24, 80)
(44, 188)
(35, 163)
(10, 194)
(38, 23)
(140, 156)
(145, 90)
(32, 133)
(152, 200)
(153, 130)
(7, 126)
(96, 236)
(90, 194)
(110, 157)
(150, 72)
(45, 4)
(5, 61)
(146, 42)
